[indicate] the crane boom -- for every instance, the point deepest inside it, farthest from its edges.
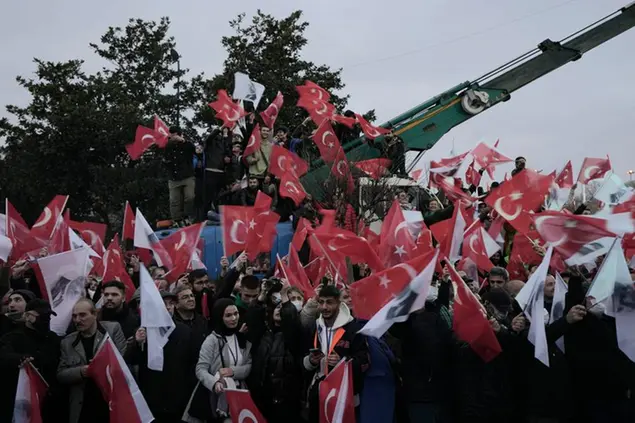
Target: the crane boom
(422, 126)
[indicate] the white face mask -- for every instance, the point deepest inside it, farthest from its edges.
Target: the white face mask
(432, 294)
(297, 304)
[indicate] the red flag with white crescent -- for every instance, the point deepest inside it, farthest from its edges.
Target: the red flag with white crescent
(128, 223)
(313, 90)
(593, 168)
(113, 378)
(242, 408)
(370, 131)
(226, 110)
(291, 187)
(144, 139)
(44, 225)
(162, 132)
(336, 395)
(283, 160)
(326, 141)
(235, 222)
(270, 114)
(253, 144)
(114, 267)
(181, 246)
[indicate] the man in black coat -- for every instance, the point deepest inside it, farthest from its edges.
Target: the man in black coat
(35, 343)
(179, 159)
(168, 391)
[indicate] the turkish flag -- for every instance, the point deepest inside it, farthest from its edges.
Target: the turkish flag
(569, 233)
(283, 160)
(474, 247)
(162, 132)
(342, 171)
(375, 168)
(295, 273)
(226, 110)
(565, 178)
(369, 130)
(90, 232)
(110, 373)
(291, 187)
(242, 407)
(524, 193)
(342, 244)
(396, 243)
(336, 395)
(44, 225)
(270, 114)
(372, 293)
(486, 156)
(593, 168)
(262, 227)
(472, 177)
(18, 232)
(144, 139)
(319, 110)
(235, 223)
(114, 267)
(327, 142)
(301, 232)
(181, 246)
(128, 223)
(313, 90)
(254, 142)
(346, 121)
(469, 320)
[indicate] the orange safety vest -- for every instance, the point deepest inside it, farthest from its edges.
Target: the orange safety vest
(336, 338)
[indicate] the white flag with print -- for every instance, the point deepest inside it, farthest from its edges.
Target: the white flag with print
(155, 319)
(247, 90)
(65, 279)
(411, 299)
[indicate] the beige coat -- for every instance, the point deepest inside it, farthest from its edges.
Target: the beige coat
(73, 357)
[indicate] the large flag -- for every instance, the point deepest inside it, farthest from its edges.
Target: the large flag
(155, 318)
(336, 395)
(111, 374)
(44, 225)
(242, 407)
(247, 90)
(411, 299)
(64, 276)
(28, 396)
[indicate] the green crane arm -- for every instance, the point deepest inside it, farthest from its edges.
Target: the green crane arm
(422, 126)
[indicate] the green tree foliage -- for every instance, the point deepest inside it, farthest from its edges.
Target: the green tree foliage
(70, 138)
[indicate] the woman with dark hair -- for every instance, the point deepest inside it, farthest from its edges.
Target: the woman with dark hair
(224, 362)
(275, 381)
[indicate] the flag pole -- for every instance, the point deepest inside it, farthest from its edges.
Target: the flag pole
(327, 256)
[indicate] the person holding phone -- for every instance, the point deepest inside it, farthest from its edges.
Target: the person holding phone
(335, 337)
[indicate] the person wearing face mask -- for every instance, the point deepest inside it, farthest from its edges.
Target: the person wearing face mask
(34, 343)
(224, 362)
(295, 296)
(275, 381)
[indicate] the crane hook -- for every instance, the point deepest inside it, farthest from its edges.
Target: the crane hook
(474, 102)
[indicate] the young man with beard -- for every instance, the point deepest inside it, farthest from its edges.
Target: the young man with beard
(115, 309)
(35, 343)
(334, 337)
(248, 195)
(18, 300)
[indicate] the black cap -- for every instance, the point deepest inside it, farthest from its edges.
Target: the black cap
(166, 294)
(24, 293)
(41, 306)
(176, 130)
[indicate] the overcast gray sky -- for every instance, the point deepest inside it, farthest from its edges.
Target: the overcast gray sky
(395, 55)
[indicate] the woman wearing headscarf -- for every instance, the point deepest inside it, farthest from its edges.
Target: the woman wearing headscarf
(224, 362)
(276, 382)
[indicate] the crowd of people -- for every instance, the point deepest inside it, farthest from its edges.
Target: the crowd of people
(280, 342)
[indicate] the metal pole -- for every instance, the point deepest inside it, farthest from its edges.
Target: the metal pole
(178, 92)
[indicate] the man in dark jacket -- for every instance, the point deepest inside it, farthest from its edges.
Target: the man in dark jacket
(115, 308)
(334, 336)
(179, 156)
(217, 157)
(33, 342)
(167, 391)
(186, 314)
